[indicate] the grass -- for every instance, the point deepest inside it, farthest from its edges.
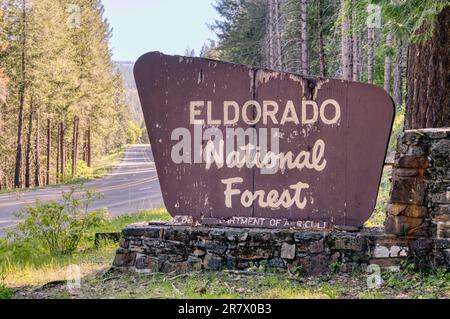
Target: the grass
(226, 285)
(29, 267)
(44, 276)
(119, 222)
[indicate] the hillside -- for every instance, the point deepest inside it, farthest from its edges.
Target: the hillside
(126, 68)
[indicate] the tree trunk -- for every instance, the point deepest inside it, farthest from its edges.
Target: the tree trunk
(320, 42)
(49, 150)
(89, 148)
(270, 26)
(387, 66)
(356, 51)
(75, 146)
(398, 79)
(304, 66)
(18, 166)
(28, 152)
(279, 63)
(62, 154)
(370, 54)
(37, 165)
(58, 155)
(345, 46)
(428, 78)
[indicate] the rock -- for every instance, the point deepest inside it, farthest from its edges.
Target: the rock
(246, 251)
(216, 247)
(143, 230)
(389, 252)
(153, 244)
(349, 267)
(316, 247)
(407, 172)
(153, 264)
(195, 263)
(409, 161)
(175, 234)
(381, 252)
(124, 242)
(231, 262)
(313, 247)
(307, 236)
(277, 263)
(287, 251)
(401, 225)
(217, 234)
(237, 235)
(124, 258)
(177, 267)
(312, 265)
(213, 262)
(413, 211)
(175, 247)
(349, 229)
(258, 235)
(347, 242)
(441, 150)
(408, 190)
(199, 253)
(423, 244)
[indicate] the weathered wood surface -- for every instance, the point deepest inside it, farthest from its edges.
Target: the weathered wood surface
(342, 193)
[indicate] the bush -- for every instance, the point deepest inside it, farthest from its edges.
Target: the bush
(134, 133)
(58, 227)
(83, 171)
(6, 293)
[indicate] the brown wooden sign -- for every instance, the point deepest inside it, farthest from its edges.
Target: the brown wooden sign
(249, 147)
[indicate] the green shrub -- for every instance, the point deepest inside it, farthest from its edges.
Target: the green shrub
(134, 133)
(83, 171)
(58, 227)
(5, 292)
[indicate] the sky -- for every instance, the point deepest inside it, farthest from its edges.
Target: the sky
(168, 26)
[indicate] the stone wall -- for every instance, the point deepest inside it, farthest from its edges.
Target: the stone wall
(167, 248)
(417, 228)
(420, 196)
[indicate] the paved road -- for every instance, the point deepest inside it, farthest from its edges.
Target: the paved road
(130, 187)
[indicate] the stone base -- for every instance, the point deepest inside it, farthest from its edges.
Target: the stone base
(166, 248)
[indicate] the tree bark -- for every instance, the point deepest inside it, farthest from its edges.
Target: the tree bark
(428, 74)
(387, 66)
(58, 155)
(356, 51)
(370, 54)
(345, 46)
(49, 150)
(270, 26)
(304, 66)
(398, 78)
(75, 146)
(18, 166)
(320, 42)
(28, 151)
(89, 148)
(279, 63)
(62, 151)
(37, 146)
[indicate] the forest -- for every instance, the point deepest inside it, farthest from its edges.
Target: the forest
(400, 45)
(62, 101)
